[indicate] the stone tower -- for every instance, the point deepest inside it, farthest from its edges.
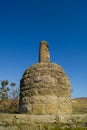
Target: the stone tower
(44, 87)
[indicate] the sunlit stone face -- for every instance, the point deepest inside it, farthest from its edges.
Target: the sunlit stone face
(44, 55)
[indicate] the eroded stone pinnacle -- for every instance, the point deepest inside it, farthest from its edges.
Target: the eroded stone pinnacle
(44, 55)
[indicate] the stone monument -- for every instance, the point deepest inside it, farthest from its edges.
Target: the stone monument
(45, 88)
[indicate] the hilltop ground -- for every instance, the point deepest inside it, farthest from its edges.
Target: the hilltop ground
(76, 121)
(79, 105)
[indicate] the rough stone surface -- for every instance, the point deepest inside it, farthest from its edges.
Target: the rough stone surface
(44, 55)
(45, 89)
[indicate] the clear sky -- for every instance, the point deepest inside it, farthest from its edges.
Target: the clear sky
(63, 23)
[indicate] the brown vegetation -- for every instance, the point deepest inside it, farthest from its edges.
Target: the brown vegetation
(9, 106)
(79, 105)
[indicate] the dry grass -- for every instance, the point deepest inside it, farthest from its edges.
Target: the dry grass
(79, 105)
(9, 106)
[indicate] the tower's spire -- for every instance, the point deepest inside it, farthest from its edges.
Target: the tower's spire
(44, 55)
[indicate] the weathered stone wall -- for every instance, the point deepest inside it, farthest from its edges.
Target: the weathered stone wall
(45, 89)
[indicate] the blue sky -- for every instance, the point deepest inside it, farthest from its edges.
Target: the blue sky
(63, 23)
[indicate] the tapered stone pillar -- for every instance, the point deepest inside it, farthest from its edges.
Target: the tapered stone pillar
(44, 55)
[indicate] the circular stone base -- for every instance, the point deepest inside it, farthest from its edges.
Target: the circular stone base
(45, 89)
